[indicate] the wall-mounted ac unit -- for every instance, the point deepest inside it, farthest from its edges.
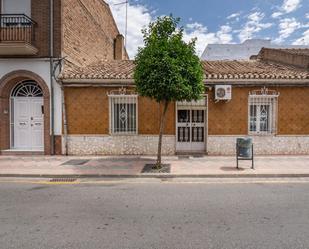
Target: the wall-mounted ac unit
(223, 92)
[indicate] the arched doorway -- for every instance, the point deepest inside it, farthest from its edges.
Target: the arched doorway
(27, 117)
(32, 89)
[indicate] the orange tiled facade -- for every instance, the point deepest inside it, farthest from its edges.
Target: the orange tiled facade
(287, 131)
(88, 112)
(232, 118)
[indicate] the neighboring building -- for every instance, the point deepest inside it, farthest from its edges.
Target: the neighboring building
(266, 98)
(35, 35)
(241, 51)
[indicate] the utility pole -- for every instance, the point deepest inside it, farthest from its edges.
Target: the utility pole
(126, 22)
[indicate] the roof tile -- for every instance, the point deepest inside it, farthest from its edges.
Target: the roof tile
(253, 69)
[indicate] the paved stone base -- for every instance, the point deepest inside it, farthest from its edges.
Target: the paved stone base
(263, 145)
(119, 145)
(132, 166)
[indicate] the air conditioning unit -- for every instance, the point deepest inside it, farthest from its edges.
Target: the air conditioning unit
(223, 92)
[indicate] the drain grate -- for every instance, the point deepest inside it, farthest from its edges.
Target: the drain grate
(76, 162)
(63, 180)
(183, 157)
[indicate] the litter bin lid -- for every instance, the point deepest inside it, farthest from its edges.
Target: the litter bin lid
(244, 142)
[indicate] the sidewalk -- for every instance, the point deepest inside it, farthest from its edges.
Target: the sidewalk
(60, 166)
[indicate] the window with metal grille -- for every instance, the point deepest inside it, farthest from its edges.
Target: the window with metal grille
(123, 114)
(263, 107)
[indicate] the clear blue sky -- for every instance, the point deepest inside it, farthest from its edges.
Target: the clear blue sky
(223, 21)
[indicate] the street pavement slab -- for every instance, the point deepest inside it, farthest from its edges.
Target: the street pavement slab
(128, 166)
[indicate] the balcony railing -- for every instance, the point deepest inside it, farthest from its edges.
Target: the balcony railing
(16, 29)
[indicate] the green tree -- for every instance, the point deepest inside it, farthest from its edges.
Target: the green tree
(167, 68)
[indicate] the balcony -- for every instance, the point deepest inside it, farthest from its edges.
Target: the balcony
(16, 35)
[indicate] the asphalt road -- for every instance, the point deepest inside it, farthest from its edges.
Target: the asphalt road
(181, 215)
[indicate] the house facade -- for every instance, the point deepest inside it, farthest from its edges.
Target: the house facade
(35, 37)
(67, 87)
(269, 103)
(265, 98)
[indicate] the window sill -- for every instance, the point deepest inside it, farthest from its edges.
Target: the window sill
(123, 134)
(262, 135)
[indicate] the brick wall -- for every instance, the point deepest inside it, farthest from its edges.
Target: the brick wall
(281, 56)
(88, 113)
(57, 28)
(40, 14)
(87, 110)
(232, 118)
(89, 31)
(293, 111)
(84, 30)
(228, 118)
(149, 117)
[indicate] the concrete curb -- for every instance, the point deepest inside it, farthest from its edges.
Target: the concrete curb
(156, 176)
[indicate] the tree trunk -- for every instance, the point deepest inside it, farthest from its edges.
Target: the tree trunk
(162, 126)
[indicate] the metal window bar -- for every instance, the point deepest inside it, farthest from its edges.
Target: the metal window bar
(200, 102)
(262, 111)
(123, 114)
(16, 28)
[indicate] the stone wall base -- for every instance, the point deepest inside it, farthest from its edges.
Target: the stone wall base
(119, 145)
(263, 145)
(147, 145)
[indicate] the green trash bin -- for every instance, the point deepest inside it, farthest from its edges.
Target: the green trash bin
(244, 147)
(244, 150)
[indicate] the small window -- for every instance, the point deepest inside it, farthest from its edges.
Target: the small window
(263, 113)
(123, 114)
(16, 7)
(27, 88)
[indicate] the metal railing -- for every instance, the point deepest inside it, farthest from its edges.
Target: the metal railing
(16, 28)
(123, 114)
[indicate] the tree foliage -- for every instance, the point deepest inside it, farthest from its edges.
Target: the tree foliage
(167, 68)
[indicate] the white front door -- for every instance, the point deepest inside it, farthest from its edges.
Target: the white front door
(198, 130)
(28, 124)
(191, 129)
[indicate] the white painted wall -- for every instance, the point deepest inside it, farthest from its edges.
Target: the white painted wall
(241, 51)
(40, 67)
(16, 7)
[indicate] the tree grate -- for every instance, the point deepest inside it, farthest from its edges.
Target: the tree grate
(149, 168)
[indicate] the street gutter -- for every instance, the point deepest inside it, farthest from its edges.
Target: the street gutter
(166, 176)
